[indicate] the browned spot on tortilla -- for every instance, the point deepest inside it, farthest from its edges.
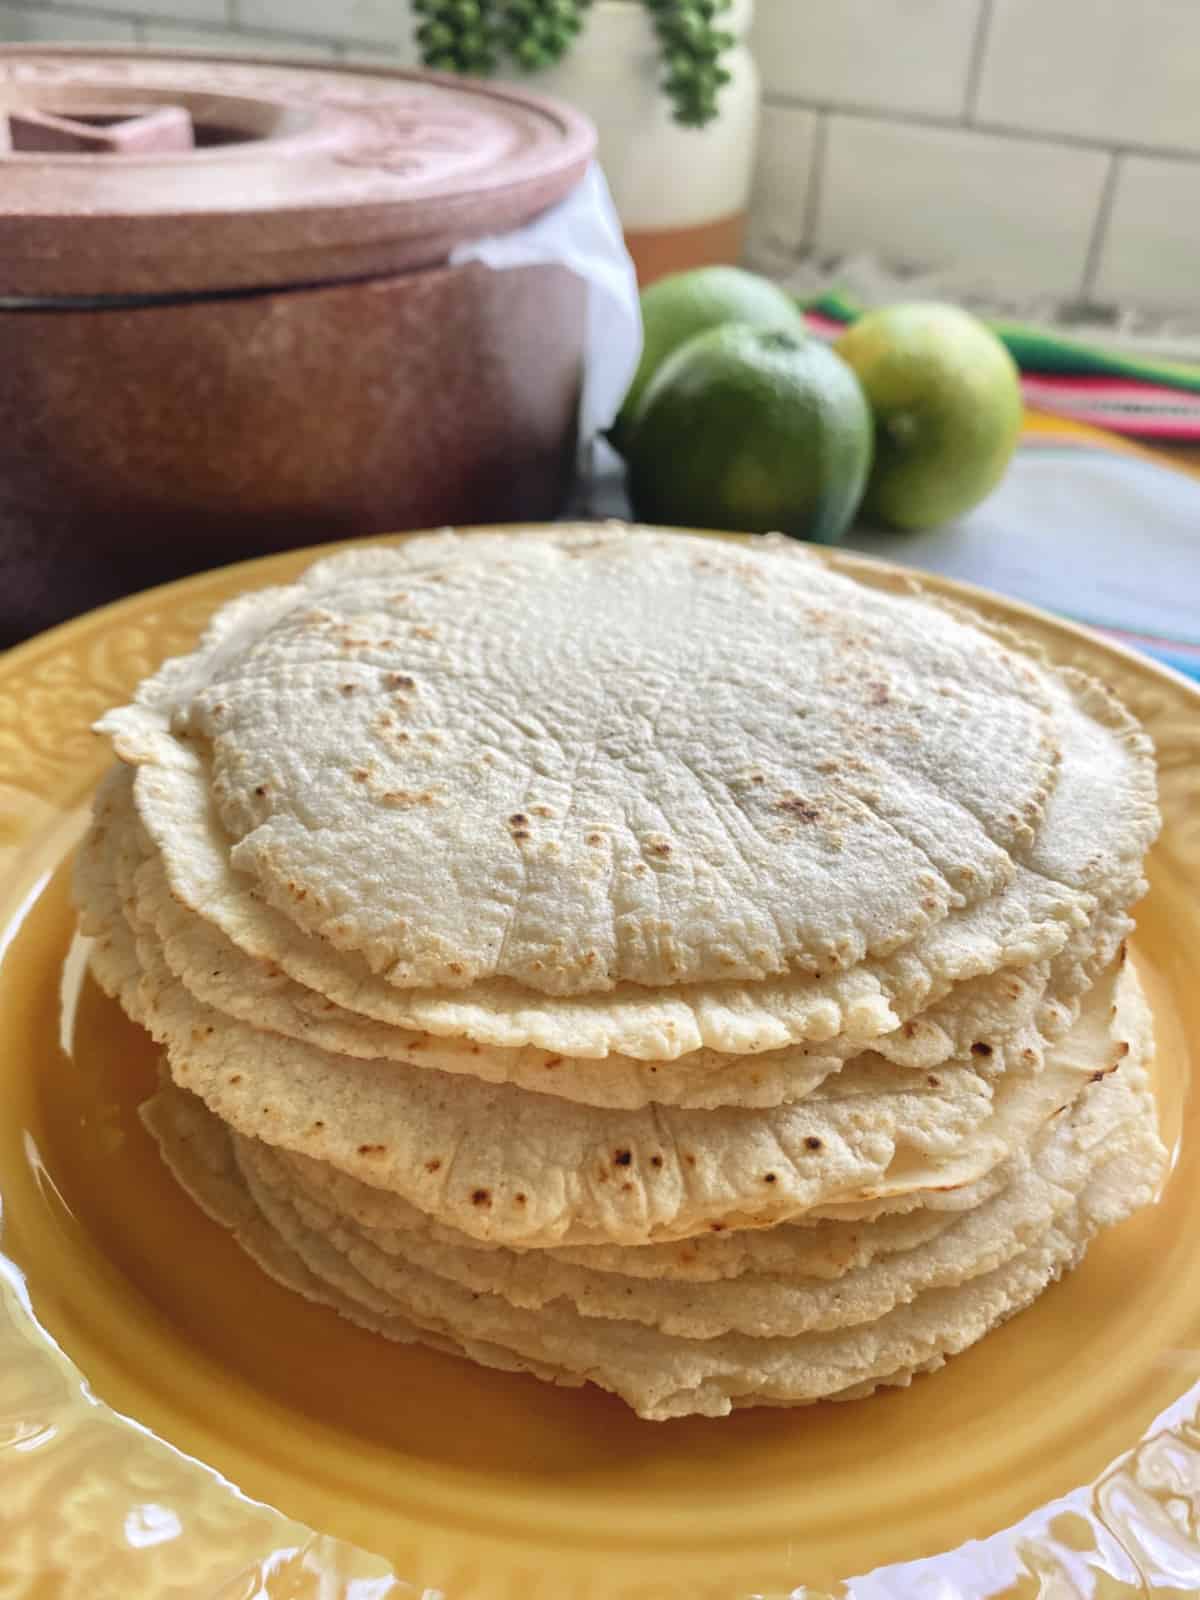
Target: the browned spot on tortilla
(979, 1048)
(404, 798)
(796, 806)
(481, 1197)
(434, 1164)
(371, 1149)
(622, 1158)
(812, 1142)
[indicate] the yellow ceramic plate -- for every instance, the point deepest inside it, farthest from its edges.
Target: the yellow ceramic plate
(174, 1424)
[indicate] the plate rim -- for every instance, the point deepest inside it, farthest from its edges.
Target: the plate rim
(258, 571)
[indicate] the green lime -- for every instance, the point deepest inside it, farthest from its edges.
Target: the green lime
(946, 396)
(754, 429)
(677, 308)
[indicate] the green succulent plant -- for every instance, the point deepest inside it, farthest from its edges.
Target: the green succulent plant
(475, 36)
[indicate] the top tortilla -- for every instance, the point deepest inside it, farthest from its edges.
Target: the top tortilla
(594, 757)
(1085, 869)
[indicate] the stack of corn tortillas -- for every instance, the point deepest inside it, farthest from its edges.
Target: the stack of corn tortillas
(634, 958)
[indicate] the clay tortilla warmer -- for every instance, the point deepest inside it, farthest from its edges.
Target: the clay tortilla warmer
(228, 325)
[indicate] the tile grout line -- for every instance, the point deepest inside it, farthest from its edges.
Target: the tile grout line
(223, 29)
(1091, 266)
(979, 44)
(816, 171)
(214, 25)
(995, 130)
(141, 24)
(65, 9)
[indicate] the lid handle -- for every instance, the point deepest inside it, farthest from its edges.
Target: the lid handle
(113, 130)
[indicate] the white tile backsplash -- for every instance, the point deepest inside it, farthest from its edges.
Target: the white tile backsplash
(1014, 212)
(973, 132)
(193, 10)
(1113, 71)
(404, 54)
(386, 22)
(226, 39)
(50, 27)
(905, 55)
(787, 144)
(1150, 254)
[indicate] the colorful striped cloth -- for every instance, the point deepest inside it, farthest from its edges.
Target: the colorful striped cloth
(1088, 525)
(1156, 401)
(1177, 653)
(1098, 517)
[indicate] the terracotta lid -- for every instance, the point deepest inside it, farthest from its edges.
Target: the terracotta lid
(166, 173)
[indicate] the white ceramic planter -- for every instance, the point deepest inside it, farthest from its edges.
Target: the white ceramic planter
(681, 192)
